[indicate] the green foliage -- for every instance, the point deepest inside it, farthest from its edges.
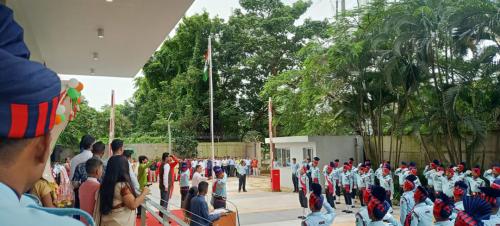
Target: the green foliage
(186, 146)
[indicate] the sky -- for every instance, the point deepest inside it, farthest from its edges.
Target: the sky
(97, 89)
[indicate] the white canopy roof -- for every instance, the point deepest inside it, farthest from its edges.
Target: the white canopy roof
(64, 33)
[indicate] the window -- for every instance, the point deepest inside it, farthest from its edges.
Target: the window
(307, 153)
(282, 157)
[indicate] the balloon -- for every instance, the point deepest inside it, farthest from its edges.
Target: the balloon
(79, 87)
(73, 83)
(60, 110)
(73, 94)
(79, 101)
(59, 119)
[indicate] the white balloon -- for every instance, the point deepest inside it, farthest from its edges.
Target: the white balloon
(60, 110)
(73, 83)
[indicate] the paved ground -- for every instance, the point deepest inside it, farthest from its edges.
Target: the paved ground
(261, 207)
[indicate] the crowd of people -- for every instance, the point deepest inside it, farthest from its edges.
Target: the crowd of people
(112, 190)
(452, 195)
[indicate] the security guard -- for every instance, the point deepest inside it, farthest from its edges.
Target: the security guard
(316, 201)
(421, 214)
(29, 97)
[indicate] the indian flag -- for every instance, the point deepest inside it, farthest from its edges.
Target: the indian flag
(207, 64)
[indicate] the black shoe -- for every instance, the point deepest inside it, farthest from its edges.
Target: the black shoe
(337, 202)
(345, 211)
(348, 211)
(353, 206)
(244, 190)
(301, 217)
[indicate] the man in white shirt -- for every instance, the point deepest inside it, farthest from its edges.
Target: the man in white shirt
(85, 145)
(197, 177)
(133, 176)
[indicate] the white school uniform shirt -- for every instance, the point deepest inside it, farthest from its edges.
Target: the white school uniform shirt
(488, 174)
(422, 215)
(197, 178)
(401, 173)
(346, 179)
(194, 163)
(80, 158)
(406, 203)
(387, 183)
(438, 182)
(459, 206)
(16, 213)
(166, 172)
(449, 185)
(474, 184)
(445, 223)
(429, 175)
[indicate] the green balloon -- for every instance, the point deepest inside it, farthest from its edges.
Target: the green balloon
(73, 94)
(62, 118)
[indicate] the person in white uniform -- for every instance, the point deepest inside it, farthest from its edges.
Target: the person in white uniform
(443, 208)
(492, 196)
(421, 214)
(316, 217)
(459, 192)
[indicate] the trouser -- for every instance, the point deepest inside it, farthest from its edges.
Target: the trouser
(388, 197)
(354, 193)
(362, 190)
(226, 169)
(231, 171)
(219, 202)
(184, 192)
(295, 181)
(242, 182)
(164, 199)
(77, 203)
(302, 199)
(337, 188)
(310, 179)
(347, 196)
(152, 176)
(209, 172)
(329, 197)
(255, 171)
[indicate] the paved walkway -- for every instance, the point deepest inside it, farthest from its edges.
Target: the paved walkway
(261, 207)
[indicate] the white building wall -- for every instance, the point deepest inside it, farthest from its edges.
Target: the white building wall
(295, 152)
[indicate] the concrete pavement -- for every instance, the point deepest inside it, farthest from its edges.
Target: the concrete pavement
(261, 207)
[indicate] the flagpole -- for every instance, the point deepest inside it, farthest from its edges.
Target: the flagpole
(112, 122)
(211, 102)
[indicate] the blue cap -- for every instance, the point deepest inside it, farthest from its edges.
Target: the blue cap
(29, 91)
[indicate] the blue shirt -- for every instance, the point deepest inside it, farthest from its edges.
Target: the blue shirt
(184, 182)
(220, 187)
(242, 170)
(199, 210)
(295, 168)
(14, 213)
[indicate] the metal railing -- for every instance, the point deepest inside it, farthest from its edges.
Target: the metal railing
(167, 215)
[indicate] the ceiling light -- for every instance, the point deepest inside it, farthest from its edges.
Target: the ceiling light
(109, 0)
(100, 33)
(95, 56)
(92, 71)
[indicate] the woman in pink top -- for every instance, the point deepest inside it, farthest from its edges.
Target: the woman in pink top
(88, 189)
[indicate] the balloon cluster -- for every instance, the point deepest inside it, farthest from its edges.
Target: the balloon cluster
(74, 93)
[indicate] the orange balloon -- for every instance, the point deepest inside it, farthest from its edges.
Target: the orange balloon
(79, 101)
(58, 119)
(79, 87)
